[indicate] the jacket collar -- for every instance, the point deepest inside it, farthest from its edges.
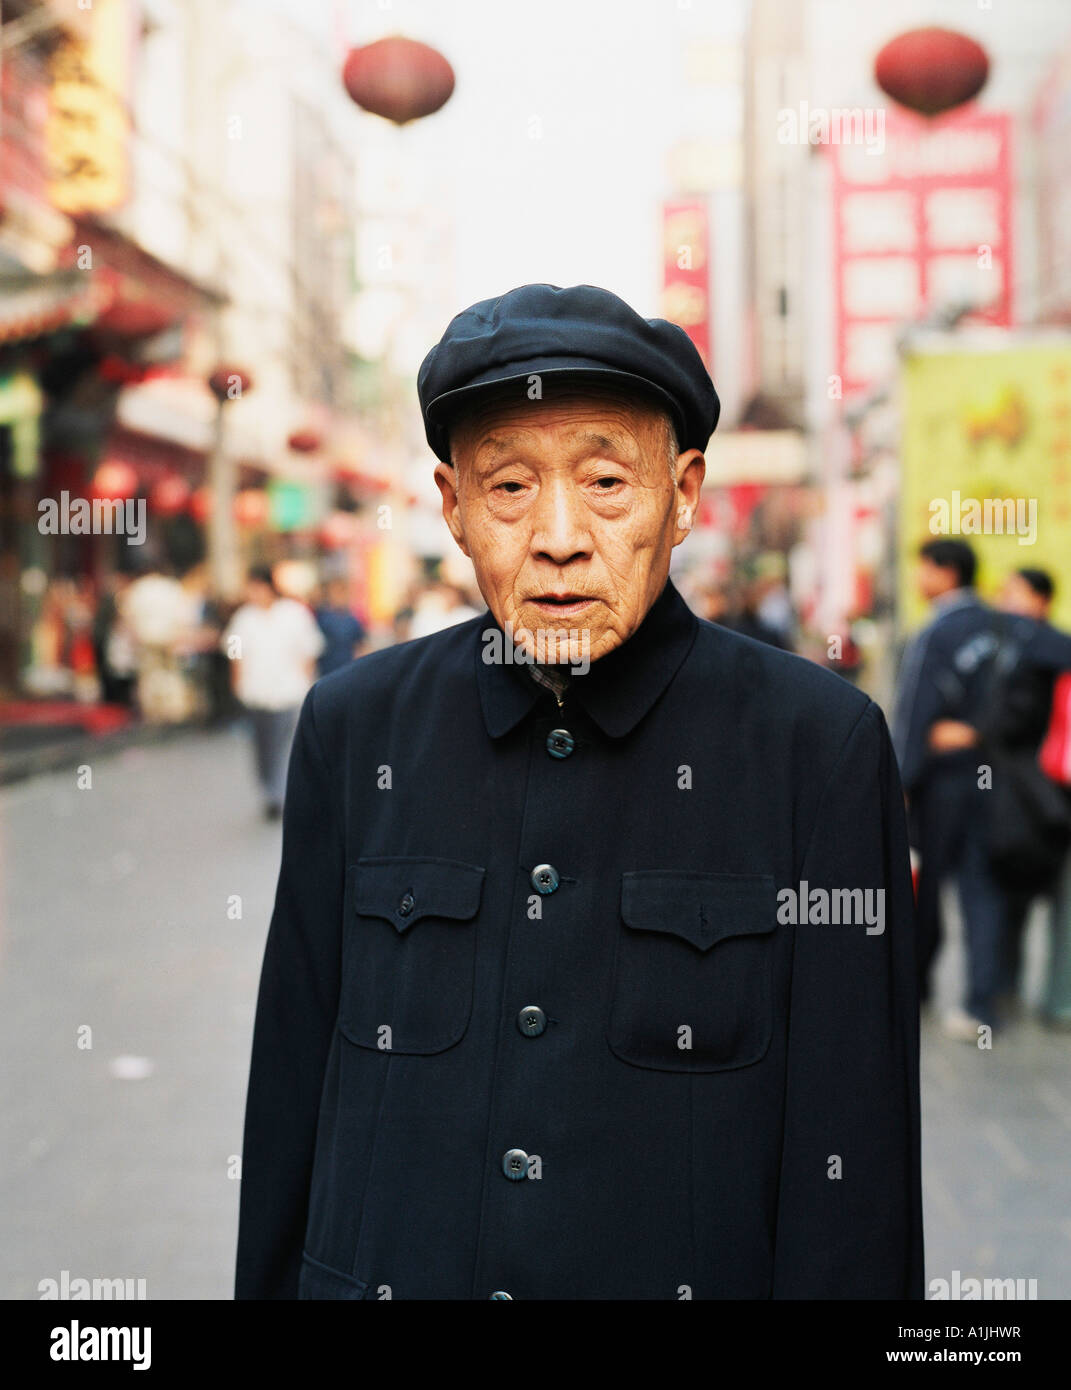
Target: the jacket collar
(953, 599)
(618, 690)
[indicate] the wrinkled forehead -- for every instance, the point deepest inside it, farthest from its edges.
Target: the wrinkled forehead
(602, 417)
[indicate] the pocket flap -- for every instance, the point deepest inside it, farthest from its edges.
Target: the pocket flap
(317, 1280)
(703, 909)
(402, 891)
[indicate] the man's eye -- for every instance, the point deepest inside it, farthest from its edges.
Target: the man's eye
(611, 481)
(499, 486)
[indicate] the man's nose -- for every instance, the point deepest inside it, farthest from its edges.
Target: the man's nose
(560, 525)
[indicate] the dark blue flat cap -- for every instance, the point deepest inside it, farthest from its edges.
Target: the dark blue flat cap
(582, 332)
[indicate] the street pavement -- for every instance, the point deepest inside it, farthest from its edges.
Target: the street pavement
(118, 1160)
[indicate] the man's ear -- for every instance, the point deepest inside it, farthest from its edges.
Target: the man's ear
(691, 470)
(446, 481)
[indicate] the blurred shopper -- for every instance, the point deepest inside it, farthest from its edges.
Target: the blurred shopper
(159, 613)
(198, 648)
(738, 611)
(113, 643)
(1055, 760)
(943, 684)
(343, 632)
(772, 601)
(273, 643)
(441, 605)
(1036, 861)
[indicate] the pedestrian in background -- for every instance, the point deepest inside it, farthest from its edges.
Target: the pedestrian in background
(113, 643)
(1030, 826)
(273, 643)
(944, 682)
(342, 630)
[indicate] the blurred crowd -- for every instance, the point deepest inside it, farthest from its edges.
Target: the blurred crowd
(982, 730)
(152, 642)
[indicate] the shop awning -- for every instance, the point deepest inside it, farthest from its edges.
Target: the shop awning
(33, 306)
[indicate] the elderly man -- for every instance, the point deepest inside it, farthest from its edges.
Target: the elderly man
(591, 972)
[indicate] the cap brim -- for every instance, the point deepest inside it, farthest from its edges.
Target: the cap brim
(448, 403)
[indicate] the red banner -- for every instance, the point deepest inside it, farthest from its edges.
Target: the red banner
(686, 270)
(922, 222)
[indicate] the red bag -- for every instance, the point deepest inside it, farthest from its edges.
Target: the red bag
(1054, 755)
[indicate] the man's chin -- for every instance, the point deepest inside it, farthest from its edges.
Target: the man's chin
(558, 638)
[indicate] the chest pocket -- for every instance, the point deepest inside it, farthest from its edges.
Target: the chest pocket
(409, 954)
(692, 989)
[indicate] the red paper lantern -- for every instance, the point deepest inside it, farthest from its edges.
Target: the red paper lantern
(399, 79)
(114, 481)
(304, 441)
(170, 495)
(931, 70)
(229, 382)
(251, 507)
(201, 504)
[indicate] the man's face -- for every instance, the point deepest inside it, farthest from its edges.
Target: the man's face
(934, 580)
(1016, 596)
(569, 513)
(260, 594)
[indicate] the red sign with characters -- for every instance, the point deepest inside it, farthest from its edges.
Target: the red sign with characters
(922, 219)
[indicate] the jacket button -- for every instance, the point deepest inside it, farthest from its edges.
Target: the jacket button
(406, 905)
(501, 1293)
(560, 743)
(531, 1021)
(515, 1164)
(545, 878)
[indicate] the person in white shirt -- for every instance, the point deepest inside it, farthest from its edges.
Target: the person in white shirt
(273, 643)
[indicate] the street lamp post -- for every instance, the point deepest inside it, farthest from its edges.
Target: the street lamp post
(227, 383)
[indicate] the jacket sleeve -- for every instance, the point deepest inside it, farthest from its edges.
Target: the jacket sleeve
(922, 698)
(849, 1219)
(296, 1010)
(1045, 647)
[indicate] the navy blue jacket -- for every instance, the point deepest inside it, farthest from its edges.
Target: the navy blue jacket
(957, 668)
(540, 1026)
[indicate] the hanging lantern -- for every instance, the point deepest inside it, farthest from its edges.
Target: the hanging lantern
(399, 79)
(229, 383)
(201, 504)
(251, 507)
(305, 441)
(170, 495)
(931, 70)
(114, 481)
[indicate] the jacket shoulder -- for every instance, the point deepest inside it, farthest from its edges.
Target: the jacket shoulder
(787, 683)
(387, 674)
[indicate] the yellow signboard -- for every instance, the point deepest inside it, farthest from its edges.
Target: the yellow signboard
(88, 125)
(987, 459)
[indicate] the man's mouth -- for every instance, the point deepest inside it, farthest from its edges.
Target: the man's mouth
(565, 602)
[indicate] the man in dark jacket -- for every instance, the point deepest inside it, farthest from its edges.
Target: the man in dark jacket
(954, 674)
(591, 968)
(945, 681)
